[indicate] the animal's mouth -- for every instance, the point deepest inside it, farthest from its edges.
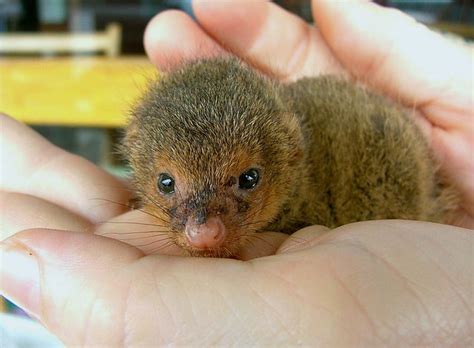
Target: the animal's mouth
(230, 248)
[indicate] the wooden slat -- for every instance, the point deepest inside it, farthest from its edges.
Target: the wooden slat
(107, 42)
(88, 91)
(24, 43)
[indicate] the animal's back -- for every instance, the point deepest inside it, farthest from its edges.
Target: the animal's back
(365, 159)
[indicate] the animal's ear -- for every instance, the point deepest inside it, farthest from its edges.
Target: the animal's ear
(294, 136)
(129, 141)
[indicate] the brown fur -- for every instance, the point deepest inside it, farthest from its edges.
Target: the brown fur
(329, 152)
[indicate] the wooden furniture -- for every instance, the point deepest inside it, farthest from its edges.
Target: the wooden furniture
(107, 42)
(460, 29)
(83, 91)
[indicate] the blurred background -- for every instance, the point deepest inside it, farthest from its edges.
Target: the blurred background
(72, 68)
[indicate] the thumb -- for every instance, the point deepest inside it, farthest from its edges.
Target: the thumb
(399, 56)
(67, 280)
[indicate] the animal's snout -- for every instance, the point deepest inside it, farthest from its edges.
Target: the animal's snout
(207, 235)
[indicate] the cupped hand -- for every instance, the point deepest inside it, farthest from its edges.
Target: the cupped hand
(394, 283)
(380, 47)
(377, 283)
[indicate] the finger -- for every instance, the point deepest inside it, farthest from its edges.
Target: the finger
(143, 231)
(270, 38)
(20, 212)
(62, 276)
(393, 53)
(303, 239)
(34, 166)
(172, 37)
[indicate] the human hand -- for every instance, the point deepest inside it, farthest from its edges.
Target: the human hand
(381, 47)
(44, 186)
(376, 282)
(397, 283)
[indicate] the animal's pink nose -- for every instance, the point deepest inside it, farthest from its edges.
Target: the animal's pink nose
(210, 234)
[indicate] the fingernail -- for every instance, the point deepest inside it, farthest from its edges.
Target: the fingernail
(19, 277)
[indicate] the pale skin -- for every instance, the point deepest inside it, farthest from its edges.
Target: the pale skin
(381, 282)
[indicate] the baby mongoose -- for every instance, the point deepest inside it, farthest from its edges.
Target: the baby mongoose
(220, 152)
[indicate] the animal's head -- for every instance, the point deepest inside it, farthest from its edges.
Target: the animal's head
(214, 154)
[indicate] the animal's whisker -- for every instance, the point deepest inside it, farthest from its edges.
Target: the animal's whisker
(152, 215)
(135, 233)
(299, 240)
(110, 201)
(249, 242)
(133, 223)
(140, 238)
(161, 247)
(257, 211)
(128, 206)
(99, 205)
(178, 191)
(252, 223)
(157, 204)
(228, 252)
(251, 216)
(116, 187)
(257, 237)
(154, 242)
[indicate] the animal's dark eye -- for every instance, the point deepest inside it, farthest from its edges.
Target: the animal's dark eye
(249, 179)
(165, 183)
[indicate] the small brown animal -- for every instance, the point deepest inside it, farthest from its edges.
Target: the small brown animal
(220, 152)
